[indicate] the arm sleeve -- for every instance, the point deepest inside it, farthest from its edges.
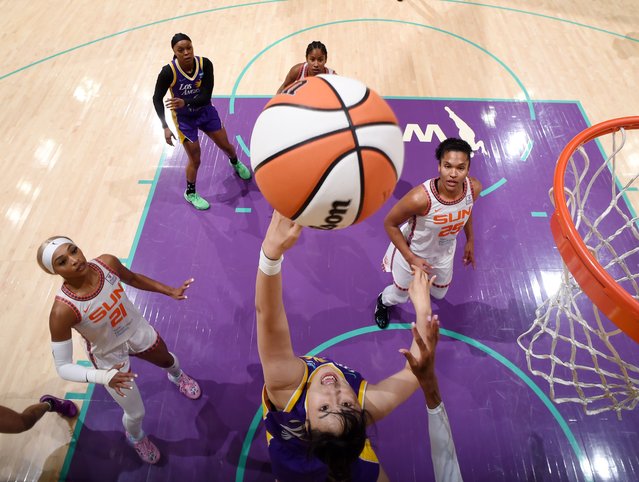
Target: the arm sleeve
(63, 358)
(442, 446)
(206, 88)
(165, 77)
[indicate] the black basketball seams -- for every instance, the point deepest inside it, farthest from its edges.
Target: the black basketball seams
(320, 183)
(305, 107)
(386, 156)
(357, 148)
(313, 139)
(367, 94)
(298, 145)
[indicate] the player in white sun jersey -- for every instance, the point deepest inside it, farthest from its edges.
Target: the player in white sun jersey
(92, 301)
(424, 224)
(316, 56)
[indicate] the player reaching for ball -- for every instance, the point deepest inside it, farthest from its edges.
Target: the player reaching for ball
(190, 81)
(92, 301)
(424, 224)
(315, 410)
(316, 56)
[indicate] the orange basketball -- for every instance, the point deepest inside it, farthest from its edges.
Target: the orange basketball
(327, 152)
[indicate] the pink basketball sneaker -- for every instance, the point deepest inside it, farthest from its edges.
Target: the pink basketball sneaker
(187, 386)
(146, 449)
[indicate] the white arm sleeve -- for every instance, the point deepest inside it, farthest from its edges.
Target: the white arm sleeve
(442, 446)
(63, 358)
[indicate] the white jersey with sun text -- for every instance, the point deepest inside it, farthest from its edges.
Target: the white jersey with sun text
(433, 235)
(107, 318)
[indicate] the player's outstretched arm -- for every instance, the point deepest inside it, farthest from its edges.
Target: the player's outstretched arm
(382, 398)
(142, 282)
(282, 369)
(414, 203)
(442, 446)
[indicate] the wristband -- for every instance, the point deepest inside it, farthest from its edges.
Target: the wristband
(268, 266)
(101, 377)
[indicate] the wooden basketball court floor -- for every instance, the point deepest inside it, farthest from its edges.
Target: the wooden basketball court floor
(84, 156)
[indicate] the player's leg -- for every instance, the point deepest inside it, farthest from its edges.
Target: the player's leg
(66, 408)
(212, 125)
(188, 136)
(14, 422)
(148, 345)
(395, 293)
(193, 153)
(132, 419)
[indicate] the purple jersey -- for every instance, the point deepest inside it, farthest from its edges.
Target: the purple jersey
(289, 460)
(186, 86)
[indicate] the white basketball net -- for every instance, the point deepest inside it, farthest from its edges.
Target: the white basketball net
(573, 346)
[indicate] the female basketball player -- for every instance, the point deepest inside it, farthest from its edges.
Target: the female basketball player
(315, 410)
(190, 80)
(92, 301)
(423, 227)
(316, 56)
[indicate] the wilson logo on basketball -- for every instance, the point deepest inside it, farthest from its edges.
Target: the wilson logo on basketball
(335, 215)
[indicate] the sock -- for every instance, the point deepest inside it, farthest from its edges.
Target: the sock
(233, 160)
(50, 405)
(190, 187)
(174, 370)
(134, 429)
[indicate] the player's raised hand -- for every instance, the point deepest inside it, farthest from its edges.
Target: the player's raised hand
(281, 235)
(422, 364)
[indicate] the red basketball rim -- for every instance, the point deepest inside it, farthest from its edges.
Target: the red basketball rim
(611, 298)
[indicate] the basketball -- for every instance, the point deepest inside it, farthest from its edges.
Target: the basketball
(327, 152)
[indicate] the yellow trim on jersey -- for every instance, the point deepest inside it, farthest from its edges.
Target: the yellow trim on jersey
(368, 454)
(174, 77)
(197, 69)
(298, 391)
(181, 136)
(361, 395)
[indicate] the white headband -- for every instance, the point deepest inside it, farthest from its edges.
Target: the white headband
(49, 249)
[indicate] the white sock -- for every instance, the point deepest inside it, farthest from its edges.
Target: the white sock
(174, 370)
(133, 428)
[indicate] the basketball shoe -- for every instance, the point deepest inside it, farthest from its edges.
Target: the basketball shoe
(381, 313)
(197, 201)
(188, 387)
(241, 170)
(66, 408)
(146, 449)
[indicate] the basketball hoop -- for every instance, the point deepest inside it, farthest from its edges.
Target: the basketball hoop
(582, 337)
